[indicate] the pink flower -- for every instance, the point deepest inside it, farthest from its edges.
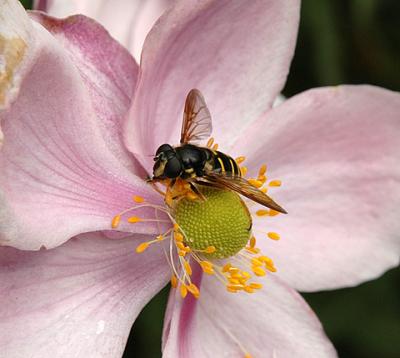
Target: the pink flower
(76, 149)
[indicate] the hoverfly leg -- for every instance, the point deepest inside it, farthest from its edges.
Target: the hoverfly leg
(197, 192)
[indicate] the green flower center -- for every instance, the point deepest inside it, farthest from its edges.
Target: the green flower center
(222, 221)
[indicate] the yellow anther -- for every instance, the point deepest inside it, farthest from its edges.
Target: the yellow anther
(256, 183)
(207, 267)
(134, 220)
(263, 170)
(230, 289)
(176, 227)
(183, 291)
(210, 249)
(255, 285)
(256, 262)
(243, 170)
(226, 267)
(264, 190)
(275, 183)
(270, 268)
(262, 178)
(192, 288)
(252, 242)
(215, 146)
(115, 221)
(187, 267)
(208, 271)
(206, 264)
(249, 289)
(180, 245)
(236, 276)
(178, 237)
(273, 212)
(246, 274)
(258, 271)
(262, 212)
(187, 249)
(143, 246)
(174, 281)
(247, 355)
(236, 287)
(138, 199)
(240, 160)
(233, 270)
(267, 261)
(273, 236)
(253, 250)
(210, 142)
(160, 238)
(234, 281)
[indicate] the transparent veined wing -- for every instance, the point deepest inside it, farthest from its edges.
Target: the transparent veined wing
(241, 186)
(197, 124)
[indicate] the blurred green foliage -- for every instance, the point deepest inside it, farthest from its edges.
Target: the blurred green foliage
(340, 41)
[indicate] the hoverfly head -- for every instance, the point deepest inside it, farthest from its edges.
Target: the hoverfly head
(167, 164)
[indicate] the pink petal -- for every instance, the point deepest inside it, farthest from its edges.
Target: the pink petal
(337, 151)
(60, 175)
(237, 53)
(108, 71)
(128, 21)
(78, 300)
(274, 322)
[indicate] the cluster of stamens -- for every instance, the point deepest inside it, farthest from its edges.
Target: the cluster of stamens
(180, 255)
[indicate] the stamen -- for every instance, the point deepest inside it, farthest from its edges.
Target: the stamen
(183, 290)
(273, 236)
(256, 183)
(252, 242)
(240, 160)
(258, 271)
(193, 289)
(215, 146)
(262, 178)
(115, 221)
(187, 267)
(207, 267)
(174, 281)
(275, 183)
(263, 170)
(134, 219)
(243, 170)
(138, 199)
(210, 142)
(143, 246)
(262, 212)
(273, 212)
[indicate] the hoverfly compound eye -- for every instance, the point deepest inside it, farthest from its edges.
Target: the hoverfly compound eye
(173, 168)
(163, 148)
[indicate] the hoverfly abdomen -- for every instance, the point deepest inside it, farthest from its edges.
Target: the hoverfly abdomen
(224, 164)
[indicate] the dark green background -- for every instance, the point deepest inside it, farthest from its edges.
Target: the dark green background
(340, 41)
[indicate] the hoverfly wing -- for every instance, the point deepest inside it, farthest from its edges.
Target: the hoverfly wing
(241, 186)
(197, 123)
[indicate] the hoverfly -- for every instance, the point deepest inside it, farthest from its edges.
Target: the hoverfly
(200, 165)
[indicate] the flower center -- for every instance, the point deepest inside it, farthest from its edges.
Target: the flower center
(221, 221)
(212, 228)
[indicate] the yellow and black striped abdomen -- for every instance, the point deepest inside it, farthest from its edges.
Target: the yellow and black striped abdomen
(225, 164)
